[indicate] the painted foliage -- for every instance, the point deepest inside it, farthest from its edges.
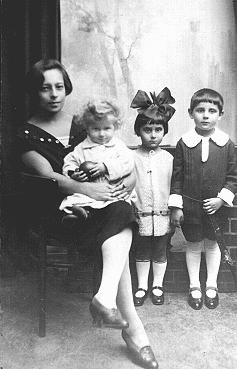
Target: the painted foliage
(113, 48)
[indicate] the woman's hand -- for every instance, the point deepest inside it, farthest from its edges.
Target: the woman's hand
(120, 191)
(103, 191)
(98, 190)
(123, 189)
(176, 217)
(211, 205)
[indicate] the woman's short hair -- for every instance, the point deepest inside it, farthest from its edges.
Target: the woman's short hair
(142, 120)
(96, 110)
(206, 95)
(35, 76)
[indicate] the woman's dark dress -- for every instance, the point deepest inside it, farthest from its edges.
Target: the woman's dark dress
(104, 223)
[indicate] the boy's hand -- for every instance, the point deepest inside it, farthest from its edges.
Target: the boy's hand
(176, 217)
(98, 170)
(80, 176)
(210, 206)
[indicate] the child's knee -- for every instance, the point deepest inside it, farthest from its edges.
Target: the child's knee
(194, 247)
(160, 259)
(210, 245)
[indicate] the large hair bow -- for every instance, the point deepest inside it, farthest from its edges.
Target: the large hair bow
(159, 105)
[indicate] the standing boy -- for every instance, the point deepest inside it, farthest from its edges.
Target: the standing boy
(203, 183)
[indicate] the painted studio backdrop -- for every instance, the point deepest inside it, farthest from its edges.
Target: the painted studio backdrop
(112, 48)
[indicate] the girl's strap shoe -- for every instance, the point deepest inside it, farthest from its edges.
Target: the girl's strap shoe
(211, 302)
(157, 300)
(195, 303)
(139, 301)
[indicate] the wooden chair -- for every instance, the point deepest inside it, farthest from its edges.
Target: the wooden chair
(42, 219)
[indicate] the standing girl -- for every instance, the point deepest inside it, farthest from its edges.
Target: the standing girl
(203, 184)
(153, 171)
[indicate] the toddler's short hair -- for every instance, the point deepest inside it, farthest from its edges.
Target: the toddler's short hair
(206, 95)
(142, 120)
(96, 110)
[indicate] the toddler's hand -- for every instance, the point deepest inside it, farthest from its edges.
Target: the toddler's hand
(80, 176)
(97, 170)
(176, 217)
(210, 206)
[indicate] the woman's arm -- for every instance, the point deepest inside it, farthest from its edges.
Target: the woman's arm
(37, 164)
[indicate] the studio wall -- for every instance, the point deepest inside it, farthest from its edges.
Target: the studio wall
(113, 48)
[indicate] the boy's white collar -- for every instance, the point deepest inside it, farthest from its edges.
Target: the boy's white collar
(192, 138)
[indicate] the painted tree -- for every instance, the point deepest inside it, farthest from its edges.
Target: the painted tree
(105, 24)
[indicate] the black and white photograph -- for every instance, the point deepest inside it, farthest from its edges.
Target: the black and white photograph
(118, 176)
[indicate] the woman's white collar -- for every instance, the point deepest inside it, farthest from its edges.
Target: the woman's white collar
(191, 138)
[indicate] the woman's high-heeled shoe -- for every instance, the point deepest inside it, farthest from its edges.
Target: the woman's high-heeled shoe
(143, 356)
(104, 317)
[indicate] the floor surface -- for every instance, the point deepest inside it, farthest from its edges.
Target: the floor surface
(181, 337)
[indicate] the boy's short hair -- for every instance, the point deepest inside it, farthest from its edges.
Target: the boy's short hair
(95, 111)
(207, 95)
(142, 120)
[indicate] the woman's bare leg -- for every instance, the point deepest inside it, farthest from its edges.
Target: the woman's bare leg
(115, 251)
(127, 309)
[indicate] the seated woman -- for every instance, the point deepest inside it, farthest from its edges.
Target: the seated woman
(45, 139)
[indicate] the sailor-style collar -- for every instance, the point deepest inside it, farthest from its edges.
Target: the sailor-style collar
(192, 138)
(88, 144)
